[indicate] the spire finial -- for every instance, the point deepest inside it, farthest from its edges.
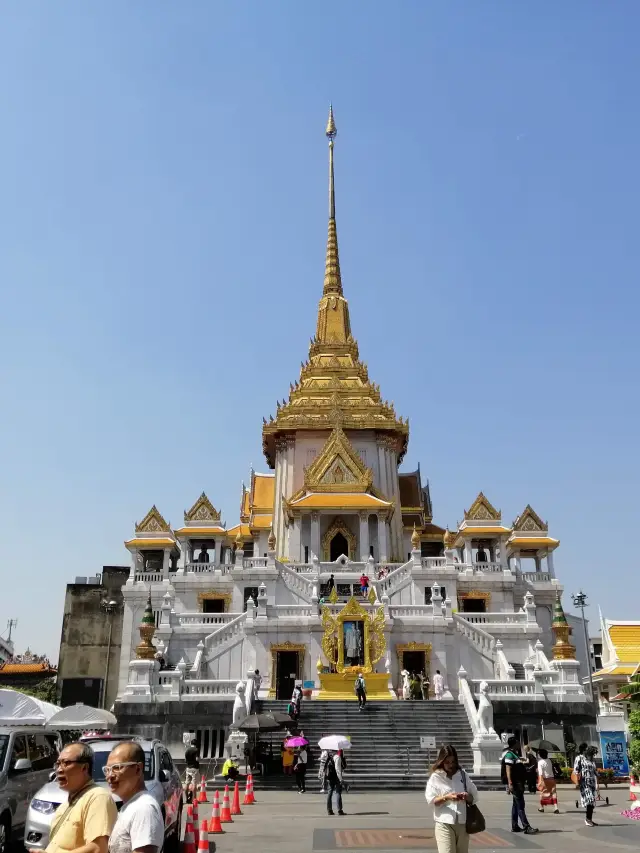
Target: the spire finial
(332, 278)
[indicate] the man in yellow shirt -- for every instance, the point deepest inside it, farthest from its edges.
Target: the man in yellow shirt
(83, 824)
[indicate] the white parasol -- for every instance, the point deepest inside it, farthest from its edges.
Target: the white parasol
(334, 742)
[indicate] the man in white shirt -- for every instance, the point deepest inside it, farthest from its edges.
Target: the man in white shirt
(438, 685)
(139, 827)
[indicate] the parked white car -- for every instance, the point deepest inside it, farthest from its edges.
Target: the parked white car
(161, 779)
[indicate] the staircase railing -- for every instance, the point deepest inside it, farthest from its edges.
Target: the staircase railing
(300, 584)
(479, 639)
(216, 643)
(390, 584)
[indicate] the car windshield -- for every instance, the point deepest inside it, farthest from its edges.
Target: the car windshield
(100, 761)
(4, 742)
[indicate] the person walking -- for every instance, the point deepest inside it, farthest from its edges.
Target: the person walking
(324, 757)
(585, 769)
(140, 824)
(330, 585)
(546, 781)
(364, 584)
(531, 766)
(449, 790)
(438, 685)
(333, 782)
(288, 757)
(85, 821)
(424, 683)
(361, 691)
(296, 698)
(515, 776)
(301, 770)
(192, 760)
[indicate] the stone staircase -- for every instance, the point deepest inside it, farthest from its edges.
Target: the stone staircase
(385, 739)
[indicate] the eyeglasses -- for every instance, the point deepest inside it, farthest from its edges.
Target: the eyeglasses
(118, 768)
(63, 763)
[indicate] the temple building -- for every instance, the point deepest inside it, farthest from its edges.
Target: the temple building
(280, 591)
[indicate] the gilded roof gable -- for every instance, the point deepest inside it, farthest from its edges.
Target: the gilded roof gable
(482, 510)
(338, 468)
(153, 522)
(529, 520)
(202, 510)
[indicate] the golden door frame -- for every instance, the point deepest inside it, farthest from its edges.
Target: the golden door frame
(338, 526)
(401, 648)
(213, 595)
(475, 594)
(300, 648)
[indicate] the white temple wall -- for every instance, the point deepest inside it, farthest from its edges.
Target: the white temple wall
(229, 664)
(544, 618)
(475, 664)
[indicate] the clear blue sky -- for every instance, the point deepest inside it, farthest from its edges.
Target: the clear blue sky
(162, 234)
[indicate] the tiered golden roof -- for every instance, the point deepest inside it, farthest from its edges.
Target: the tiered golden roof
(334, 387)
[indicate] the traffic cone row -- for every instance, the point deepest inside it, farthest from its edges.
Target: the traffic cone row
(196, 837)
(249, 797)
(215, 826)
(235, 805)
(203, 844)
(225, 811)
(196, 828)
(189, 840)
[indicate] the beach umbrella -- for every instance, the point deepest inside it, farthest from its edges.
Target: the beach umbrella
(334, 742)
(541, 743)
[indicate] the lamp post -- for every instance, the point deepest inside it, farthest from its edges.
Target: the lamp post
(108, 606)
(580, 600)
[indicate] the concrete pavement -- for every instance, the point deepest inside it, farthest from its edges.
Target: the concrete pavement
(286, 822)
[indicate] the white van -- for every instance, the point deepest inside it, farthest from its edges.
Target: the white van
(26, 761)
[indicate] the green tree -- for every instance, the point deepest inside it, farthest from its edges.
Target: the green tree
(46, 691)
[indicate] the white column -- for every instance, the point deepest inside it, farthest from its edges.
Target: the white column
(166, 562)
(503, 553)
(364, 536)
(382, 538)
(550, 568)
(315, 536)
(468, 552)
(294, 541)
(383, 467)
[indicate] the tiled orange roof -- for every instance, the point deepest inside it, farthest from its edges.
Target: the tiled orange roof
(262, 522)
(626, 639)
(263, 491)
(19, 668)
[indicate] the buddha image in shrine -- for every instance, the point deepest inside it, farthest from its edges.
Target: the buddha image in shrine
(353, 643)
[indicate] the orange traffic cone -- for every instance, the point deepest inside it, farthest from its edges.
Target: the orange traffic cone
(189, 844)
(196, 834)
(215, 824)
(203, 844)
(249, 797)
(202, 796)
(235, 805)
(225, 813)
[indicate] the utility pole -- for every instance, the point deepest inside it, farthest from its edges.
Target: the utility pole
(11, 624)
(109, 607)
(580, 600)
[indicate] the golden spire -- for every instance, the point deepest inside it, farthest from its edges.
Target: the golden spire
(332, 278)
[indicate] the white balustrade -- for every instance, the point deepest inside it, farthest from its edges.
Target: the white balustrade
(201, 568)
(148, 577)
(302, 568)
(291, 610)
(195, 688)
(537, 577)
(298, 583)
(206, 618)
(225, 632)
(434, 562)
(487, 568)
(255, 563)
(497, 687)
(411, 611)
(479, 638)
(390, 582)
(495, 618)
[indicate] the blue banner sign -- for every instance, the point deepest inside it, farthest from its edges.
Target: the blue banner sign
(614, 752)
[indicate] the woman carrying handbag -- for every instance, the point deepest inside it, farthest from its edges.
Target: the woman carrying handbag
(453, 796)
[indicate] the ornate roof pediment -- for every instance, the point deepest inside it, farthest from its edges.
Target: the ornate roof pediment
(529, 520)
(153, 522)
(202, 510)
(482, 510)
(338, 468)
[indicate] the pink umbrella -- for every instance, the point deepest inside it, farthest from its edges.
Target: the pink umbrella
(294, 742)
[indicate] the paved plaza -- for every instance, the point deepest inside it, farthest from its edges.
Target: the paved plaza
(286, 822)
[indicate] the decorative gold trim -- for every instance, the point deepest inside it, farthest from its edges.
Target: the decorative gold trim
(215, 595)
(474, 594)
(482, 509)
(529, 520)
(287, 646)
(202, 510)
(333, 636)
(338, 468)
(153, 522)
(401, 648)
(338, 526)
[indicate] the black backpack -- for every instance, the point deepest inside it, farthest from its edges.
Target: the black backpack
(330, 772)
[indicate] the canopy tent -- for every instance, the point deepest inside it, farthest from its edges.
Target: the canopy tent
(18, 709)
(81, 717)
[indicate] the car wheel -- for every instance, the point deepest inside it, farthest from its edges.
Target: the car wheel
(5, 833)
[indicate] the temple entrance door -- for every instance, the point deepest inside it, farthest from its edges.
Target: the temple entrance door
(338, 547)
(286, 673)
(474, 605)
(213, 605)
(413, 661)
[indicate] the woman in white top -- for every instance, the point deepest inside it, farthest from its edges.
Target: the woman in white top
(449, 789)
(546, 782)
